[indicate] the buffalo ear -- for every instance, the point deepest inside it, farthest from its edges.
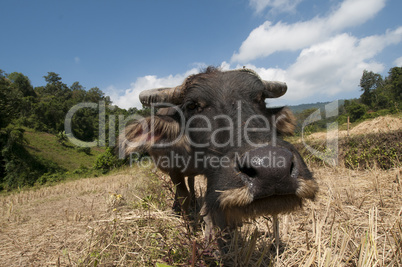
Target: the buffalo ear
(142, 135)
(285, 121)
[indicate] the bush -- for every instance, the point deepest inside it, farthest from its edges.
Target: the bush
(50, 178)
(86, 150)
(356, 111)
(107, 161)
(61, 137)
(82, 170)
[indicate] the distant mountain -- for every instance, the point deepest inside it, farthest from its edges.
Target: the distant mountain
(301, 107)
(318, 105)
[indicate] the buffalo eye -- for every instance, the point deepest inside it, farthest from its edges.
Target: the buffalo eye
(191, 106)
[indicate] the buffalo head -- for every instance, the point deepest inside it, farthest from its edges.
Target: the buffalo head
(217, 124)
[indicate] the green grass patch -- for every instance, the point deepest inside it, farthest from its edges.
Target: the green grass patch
(46, 159)
(65, 154)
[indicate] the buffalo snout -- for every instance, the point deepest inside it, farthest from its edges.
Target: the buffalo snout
(268, 171)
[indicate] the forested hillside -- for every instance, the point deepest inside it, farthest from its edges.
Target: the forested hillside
(44, 109)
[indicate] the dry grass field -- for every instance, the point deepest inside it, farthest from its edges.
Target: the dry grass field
(125, 219)
(383, 124)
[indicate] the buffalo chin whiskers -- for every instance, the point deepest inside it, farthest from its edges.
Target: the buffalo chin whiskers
(307, 189)
(236, 197)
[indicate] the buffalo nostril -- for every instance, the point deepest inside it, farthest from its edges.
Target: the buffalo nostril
(249, 171)
(294, 170)
(291, 168)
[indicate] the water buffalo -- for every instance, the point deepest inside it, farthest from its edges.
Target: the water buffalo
(217, 124)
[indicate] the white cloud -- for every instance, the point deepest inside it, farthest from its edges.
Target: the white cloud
(77, 60)
(225, 66)
(275, 5)
(354, 12)
(268, 38)
(398, 62)
(130, 97)
(331, 68)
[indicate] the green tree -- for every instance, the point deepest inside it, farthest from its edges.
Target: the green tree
(85, 124)
(22, 83)
(78, 93)
(10, 100)
(52, 78)
(55, 87)
(12, 156)
(394, 80)
(355, 110)
(369, 82)
(94, 95)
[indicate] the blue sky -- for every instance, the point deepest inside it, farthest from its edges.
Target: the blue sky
(320, 48)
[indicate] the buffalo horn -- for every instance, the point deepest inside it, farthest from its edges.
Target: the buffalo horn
(174, 95)
(274, 89)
